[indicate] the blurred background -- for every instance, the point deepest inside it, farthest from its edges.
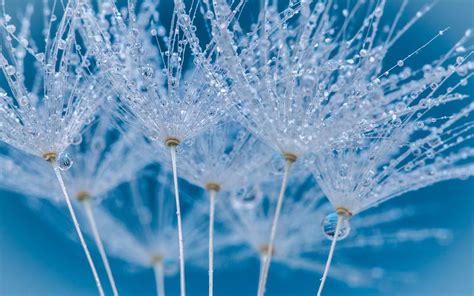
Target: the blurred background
(37, 259)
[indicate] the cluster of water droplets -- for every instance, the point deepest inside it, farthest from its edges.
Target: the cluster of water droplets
(224, 155)
(167, 89)
(310, 79)
(50, 113)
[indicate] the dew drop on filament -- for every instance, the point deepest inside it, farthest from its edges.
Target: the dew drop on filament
(65, 161)
(329, 224)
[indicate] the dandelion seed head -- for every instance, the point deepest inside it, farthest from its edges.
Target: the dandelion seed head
(63, 98)
(170, 92)
(224, 155)
(107, 156)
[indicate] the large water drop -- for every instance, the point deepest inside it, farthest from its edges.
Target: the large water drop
(65, 161)
(329, 227)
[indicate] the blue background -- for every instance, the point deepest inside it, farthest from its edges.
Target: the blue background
(37, 259)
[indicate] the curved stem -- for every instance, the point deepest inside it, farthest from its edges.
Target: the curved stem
(212, 204)
(266, 267)
(78, 229)
(100, 246)
(180, 227)
(159, 278)
(331, 253)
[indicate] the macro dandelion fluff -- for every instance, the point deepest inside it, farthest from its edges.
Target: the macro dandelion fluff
(101, 165)
(309, 72)
(290, 124)
(357, 179)
(151, 237)
(404, 135)
(106, 157)
(301, 248)
(221, 159)
(225, 155)
(251, 215)
(43, 118)
(170, 99)
(285, 71)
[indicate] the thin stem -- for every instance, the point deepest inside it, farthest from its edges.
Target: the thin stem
(212, 204)
(100, 246)
(331, 253)
(268, 259)
(78, 229)
(159, 278)
(262, 264)
(180, 227)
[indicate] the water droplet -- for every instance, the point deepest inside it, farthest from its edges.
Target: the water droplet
(147, 71)
(416, 151)
(209, 15)
(430, 154)
(62, 44)
(400, 63)
(289, 12)
(400, 106)
(161, 31)
(39, 57)
(24, 101)
(397, 121)
(11, 29)
(24, 42)
(378, 12)
(10, 70)
(320, 7)
(329, 227)
(64, 161)
(76, 140)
